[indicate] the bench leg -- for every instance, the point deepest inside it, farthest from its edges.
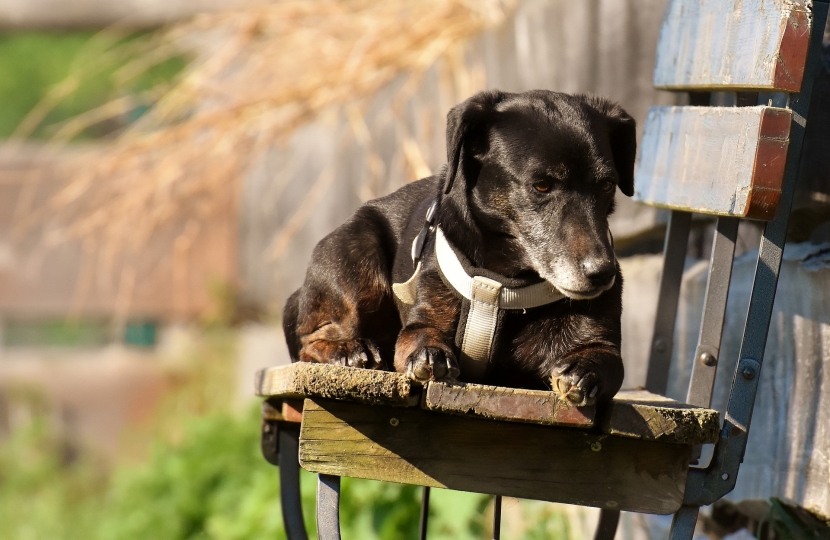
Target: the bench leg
(497, 518)
(292, 510)
(607, 525)
(328, 507)
(422, 532)
(683, 523)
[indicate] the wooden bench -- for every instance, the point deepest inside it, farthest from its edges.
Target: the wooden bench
(737, 163)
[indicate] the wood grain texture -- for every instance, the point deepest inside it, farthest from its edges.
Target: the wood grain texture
(633, 414)
(336, 382)
(714, 160)
(414, 446)
(642, 415)
(511, 404)
(737, 44)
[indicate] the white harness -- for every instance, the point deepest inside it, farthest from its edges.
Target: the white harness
(487, 296)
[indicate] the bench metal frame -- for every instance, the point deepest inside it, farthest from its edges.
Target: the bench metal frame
(704, 485)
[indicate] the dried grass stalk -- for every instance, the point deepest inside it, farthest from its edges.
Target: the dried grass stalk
(261, 72)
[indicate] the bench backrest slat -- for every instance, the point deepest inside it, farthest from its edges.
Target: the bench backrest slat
(733, 44)
(714, 160)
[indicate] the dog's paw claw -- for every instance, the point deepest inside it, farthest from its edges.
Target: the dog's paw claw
(577, 386)
(431, 364)
(359, 354)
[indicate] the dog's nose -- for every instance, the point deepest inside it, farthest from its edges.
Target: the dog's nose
(599, 271)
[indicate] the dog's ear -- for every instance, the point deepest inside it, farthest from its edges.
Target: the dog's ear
(464, 121)
(622, 135)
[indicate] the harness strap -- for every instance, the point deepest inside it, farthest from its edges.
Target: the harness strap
(480, 331)
(487, 298)
(538, 294)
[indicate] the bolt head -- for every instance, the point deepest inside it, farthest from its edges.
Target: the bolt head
(748, 373)
(707, 359)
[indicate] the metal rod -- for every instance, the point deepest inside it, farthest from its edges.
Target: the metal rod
(607, 525)
(674, 257)
(422, 534)
(292, 509)
(705, 363)
(497, 518)
(328, 507)
(683, 523)
(707, 486)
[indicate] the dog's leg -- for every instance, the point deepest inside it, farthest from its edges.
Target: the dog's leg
(345, 312)
(349, 325)
(424, 350)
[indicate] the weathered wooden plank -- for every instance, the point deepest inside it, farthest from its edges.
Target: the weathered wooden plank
(633, 413)
(646, 416)
(714, 160)
(738, 44)
(414, 446)
(304, 379)
(511, 404)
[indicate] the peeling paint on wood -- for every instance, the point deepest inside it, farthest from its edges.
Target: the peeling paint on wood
(512, 404)
(714, 160)
(737, 44)
(546, 463)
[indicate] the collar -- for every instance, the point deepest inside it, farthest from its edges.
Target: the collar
(531, 296)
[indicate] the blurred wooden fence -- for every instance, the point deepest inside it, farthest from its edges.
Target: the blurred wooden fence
(301, 192)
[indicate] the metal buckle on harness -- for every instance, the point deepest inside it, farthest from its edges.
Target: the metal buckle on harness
(421, 239)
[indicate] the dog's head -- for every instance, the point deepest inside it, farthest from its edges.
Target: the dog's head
(540, 169)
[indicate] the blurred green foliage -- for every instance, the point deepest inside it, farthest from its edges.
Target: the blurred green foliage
(214, 484)
(204, 477)
(33, 62)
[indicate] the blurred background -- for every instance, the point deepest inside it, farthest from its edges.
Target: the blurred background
(166, 168)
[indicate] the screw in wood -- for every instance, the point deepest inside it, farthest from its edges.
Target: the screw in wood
(394, 422)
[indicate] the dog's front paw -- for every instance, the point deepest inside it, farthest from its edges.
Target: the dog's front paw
(577, 382)
(358, 353)
(432, 364)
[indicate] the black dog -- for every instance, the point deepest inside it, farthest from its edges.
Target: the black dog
(523, 202)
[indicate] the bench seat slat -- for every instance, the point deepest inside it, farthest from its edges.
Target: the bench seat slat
(733, 44)
(725, 161)
(413, 446)
(632, 414)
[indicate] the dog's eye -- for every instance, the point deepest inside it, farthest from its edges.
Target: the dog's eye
(543, 186)
(608, 186)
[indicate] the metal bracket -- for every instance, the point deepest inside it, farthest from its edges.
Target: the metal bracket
(705, 486)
